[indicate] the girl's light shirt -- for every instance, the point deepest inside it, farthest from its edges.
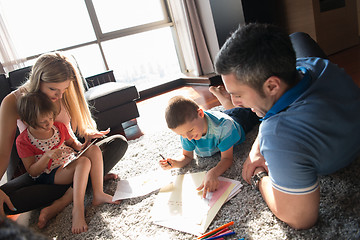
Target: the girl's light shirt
(47, 144)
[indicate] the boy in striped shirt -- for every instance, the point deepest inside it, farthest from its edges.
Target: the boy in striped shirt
(206, 133)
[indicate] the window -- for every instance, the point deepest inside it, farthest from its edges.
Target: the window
(114, 14)
(133, 38)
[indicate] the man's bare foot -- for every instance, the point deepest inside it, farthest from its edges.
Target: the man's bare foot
(101, 198)
(111, 176)
(78, 221)
(222, 95)
(57, 206)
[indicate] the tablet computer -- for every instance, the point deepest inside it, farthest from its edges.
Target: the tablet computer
(81, 152)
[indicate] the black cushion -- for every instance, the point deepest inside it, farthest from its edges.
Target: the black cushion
(305, 46)
(114, 117)
(112, 103)
(99, 79)
(19, 77)
(4, 87)
(109, 95)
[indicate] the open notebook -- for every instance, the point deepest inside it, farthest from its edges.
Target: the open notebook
(181, 207)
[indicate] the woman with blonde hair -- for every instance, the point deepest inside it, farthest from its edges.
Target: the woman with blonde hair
(57, 76)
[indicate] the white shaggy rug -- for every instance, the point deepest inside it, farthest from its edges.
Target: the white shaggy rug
(339, 216)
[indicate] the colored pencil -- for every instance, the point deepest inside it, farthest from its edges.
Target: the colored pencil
(221, 235)
(216, 230)
(216, 233)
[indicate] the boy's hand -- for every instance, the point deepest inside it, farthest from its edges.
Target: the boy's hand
(166, 164)
(210, 183)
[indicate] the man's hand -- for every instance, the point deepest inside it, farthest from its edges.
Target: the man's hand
(5, 199)
(210, 183)
(254, 160)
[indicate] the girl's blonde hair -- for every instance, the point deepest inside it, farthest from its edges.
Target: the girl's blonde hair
(56, 67)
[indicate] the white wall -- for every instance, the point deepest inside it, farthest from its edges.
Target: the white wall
(207, 20)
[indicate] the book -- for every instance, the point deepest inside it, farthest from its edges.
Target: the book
(236, 189)
(181, 207)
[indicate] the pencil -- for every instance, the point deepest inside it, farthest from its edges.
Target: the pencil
(217, 233)
(221, 235)
(166, 161)
(217, 229)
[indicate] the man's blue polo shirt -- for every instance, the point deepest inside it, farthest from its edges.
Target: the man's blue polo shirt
(313, 129)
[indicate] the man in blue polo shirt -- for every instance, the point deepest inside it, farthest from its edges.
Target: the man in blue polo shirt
(310, 111)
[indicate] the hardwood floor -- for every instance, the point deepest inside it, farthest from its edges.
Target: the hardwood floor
(152, 110)
(349, 59)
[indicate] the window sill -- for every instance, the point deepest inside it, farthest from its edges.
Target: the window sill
(210, 79)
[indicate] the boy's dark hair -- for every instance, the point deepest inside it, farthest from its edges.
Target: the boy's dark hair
(179, 111)
(31, 106)
(255, 52)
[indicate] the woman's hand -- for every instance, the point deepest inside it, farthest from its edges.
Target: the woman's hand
(90, 135)
(99, 134)
(5, 199)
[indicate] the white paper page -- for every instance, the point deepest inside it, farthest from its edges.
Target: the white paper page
(236, 189)
(142, 185)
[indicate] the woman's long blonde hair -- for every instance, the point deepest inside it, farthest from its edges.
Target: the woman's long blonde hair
(57, 67)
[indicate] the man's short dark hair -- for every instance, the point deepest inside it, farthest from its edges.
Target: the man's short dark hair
(255, 52)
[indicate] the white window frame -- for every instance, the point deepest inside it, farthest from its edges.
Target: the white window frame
(101, 37)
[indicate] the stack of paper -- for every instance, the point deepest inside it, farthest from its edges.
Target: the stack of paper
(180, 206)
(237, 187)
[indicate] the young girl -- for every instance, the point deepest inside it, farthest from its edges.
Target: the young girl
(45, 146)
